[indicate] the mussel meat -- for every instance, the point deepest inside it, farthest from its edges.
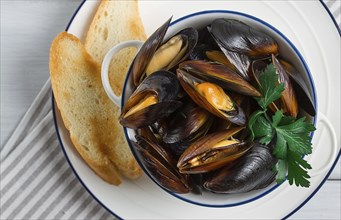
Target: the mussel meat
(220, 75)
(211, 97)
(147, 51)
(153, 99)
(212, 152)
(155, 55)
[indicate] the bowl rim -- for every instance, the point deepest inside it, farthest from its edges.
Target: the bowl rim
(302, 61)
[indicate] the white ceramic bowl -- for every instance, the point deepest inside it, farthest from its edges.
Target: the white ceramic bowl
(198, 20)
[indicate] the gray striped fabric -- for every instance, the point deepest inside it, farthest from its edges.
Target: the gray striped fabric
(36, 180)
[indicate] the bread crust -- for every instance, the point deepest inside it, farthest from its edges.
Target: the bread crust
(87, 112)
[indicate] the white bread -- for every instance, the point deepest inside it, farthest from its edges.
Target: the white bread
(87, 112)
(114, 22)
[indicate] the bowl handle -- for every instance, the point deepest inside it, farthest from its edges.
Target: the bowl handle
(332, 151)
(105, 67)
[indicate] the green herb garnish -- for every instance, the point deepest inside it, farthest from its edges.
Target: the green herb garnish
(291, 136)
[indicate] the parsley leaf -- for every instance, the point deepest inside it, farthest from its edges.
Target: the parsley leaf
(269, 89)
(280, 150)
(296, 173)
(263, 130)
(297, 136)
(292, 142)
(291, 136)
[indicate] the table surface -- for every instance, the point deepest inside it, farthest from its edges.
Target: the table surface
(27, 30)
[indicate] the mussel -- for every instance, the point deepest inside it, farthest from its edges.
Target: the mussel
(236, 36)
(288, 102)
(288, 98)
(241, 43)
(161, 165)
(153, 99)
(252, 171)
(301, 87)
(211, 97)
(155, 55)
(219, 74)
(147, 51)
(212, 152)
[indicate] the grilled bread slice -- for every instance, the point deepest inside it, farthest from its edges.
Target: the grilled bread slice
(87, 112)
(114, 22)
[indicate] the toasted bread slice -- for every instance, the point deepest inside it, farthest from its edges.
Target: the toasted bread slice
(87, 112)
(114, 22)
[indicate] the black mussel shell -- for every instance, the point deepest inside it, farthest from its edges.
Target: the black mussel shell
(301, 87)
(191, 36)
(147, 51)
(165, 86)
(238, 37)
(161, 165)
(250, 172)
(288, 99)
(221, 75)
(188, 81)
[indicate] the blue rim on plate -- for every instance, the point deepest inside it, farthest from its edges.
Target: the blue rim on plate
(224, 12)
(109, 210)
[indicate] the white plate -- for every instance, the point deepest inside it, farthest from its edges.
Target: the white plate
(309, 27)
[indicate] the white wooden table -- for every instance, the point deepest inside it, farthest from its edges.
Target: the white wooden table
(27, 29)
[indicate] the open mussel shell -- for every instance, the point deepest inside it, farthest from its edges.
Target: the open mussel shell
(153, 99)
(301, 88)
(161, 166)
(288, 102)
(147, 51)
(156, 55)
(288, 98)
(238, 37)
(221, 75)
(252, 171)
(212, 152)
(211, 97)
(173, 51)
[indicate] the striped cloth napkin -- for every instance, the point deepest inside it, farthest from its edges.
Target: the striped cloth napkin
(36, 180)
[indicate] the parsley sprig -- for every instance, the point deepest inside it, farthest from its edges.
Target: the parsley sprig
(291, 136)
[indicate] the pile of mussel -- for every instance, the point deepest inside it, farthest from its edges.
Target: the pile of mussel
(192, 99)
